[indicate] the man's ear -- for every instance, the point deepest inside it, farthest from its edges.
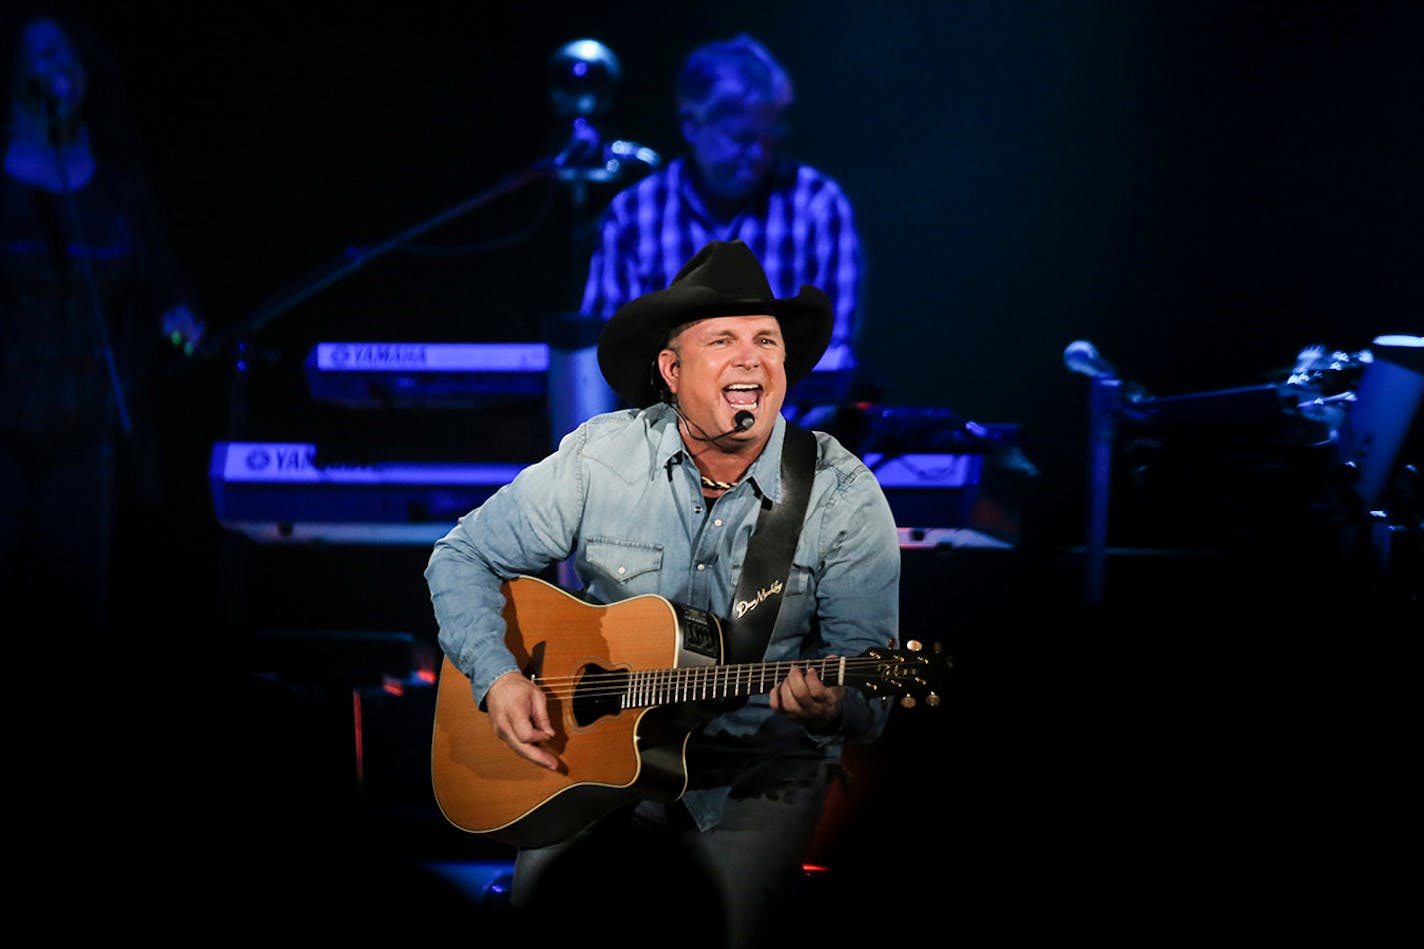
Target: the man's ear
(668, 367)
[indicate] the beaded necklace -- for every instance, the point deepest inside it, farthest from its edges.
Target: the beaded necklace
(717, 485)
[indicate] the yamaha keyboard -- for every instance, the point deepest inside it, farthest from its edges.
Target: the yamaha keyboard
(286, 492)
(365, 375)
(281, 492)
(456, 375)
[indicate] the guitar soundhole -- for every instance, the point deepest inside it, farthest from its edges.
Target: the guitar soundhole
(599, 692)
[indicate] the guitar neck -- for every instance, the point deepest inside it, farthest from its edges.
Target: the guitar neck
(649, 687)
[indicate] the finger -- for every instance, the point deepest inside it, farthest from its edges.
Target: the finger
(521, 735)
(817, 690)
(804, 686)
(539, 713)
(531, 724)
(540, 756)
(793, 702)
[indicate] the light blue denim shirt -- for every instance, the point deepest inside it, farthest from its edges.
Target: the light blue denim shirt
(622, 496)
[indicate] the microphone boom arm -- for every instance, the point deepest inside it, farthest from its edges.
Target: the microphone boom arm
(353, 261)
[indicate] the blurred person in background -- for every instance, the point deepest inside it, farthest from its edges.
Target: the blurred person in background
(734, 183)
(92, 308)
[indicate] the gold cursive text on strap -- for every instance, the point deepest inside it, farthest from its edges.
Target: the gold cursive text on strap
(743, 607)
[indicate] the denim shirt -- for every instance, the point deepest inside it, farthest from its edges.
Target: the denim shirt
(622, 496)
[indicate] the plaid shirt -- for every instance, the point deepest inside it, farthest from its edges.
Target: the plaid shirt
(800, 227)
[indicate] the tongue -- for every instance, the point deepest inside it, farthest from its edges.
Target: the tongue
(741, 396)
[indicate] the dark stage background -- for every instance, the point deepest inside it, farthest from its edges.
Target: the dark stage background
(1199, 188)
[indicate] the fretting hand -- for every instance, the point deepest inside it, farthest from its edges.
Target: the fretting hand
(805, 698)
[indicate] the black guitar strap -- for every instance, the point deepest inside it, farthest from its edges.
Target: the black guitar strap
(768, 564)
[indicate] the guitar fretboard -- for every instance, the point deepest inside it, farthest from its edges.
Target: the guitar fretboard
(704, 683)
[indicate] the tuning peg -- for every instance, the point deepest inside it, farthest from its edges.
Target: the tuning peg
(914, 645)
(932, 700)
(907, 701)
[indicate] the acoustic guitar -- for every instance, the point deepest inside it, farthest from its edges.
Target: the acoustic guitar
(627, 683)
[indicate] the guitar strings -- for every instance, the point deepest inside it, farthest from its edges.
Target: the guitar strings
(691, 678)
(718, 671)
(821, 665)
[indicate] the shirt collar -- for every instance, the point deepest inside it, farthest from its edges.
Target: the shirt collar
(764, 473)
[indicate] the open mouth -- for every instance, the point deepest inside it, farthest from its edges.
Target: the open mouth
(742, 395)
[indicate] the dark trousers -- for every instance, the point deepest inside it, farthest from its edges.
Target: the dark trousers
(648, 868)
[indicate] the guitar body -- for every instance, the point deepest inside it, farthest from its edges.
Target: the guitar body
(611, 755)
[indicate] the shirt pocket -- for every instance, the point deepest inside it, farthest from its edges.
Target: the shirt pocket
(623, 561)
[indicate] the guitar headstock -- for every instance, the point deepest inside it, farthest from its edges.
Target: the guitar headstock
(912, 673)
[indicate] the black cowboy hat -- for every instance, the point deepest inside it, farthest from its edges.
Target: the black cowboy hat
(723, 279)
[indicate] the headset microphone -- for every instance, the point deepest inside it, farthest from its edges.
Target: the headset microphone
(741, 422)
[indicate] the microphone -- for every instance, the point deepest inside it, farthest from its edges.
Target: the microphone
(741, 422)
(1083, 357)
(587, 157)
(625, 150)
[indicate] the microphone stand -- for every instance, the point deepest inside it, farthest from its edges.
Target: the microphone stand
(354, 259)
(576, 387)
(1104, 401)
(340, 269)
